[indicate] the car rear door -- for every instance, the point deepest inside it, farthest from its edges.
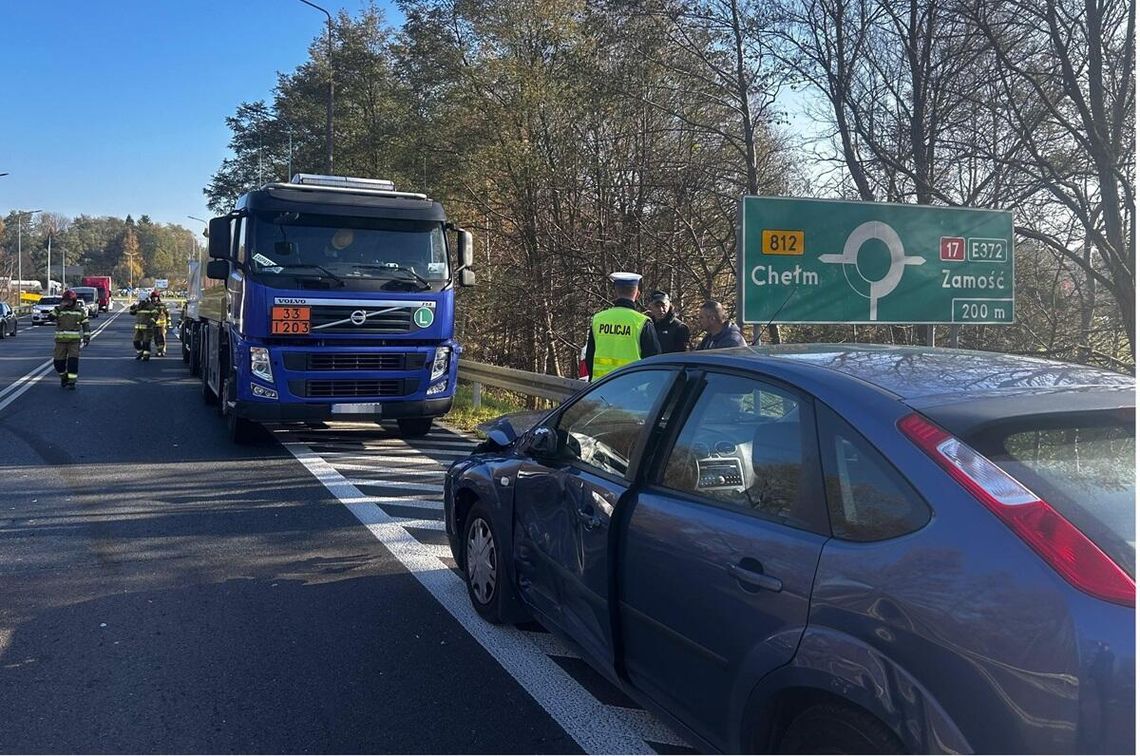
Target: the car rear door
(721, 549)
(564, 506)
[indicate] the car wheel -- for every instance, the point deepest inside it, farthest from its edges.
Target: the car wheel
(487, 586)
(838, 728)
(414, 427)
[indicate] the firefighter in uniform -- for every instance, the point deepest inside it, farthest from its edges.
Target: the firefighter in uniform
(161, 323)
(72, 327)
(144, 313)
(620, 334)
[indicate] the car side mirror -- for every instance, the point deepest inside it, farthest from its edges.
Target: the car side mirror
(220, 241)
(543, 443)
(218, 270)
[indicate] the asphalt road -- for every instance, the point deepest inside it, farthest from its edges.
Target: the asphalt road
(162, 590)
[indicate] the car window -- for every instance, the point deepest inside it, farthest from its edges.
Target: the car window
(743, 446)
(602, 428)
(1083, 465)
(867, 498)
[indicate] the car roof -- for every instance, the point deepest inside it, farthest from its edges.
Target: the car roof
(927, 376)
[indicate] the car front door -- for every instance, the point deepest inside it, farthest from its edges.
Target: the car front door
(564, 504)
(719, 556)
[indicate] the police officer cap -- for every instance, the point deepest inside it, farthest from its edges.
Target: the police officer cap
(627, 279)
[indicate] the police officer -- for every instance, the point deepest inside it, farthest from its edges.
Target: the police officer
(144, 314)
(71, 327)
(620, 334)
(672, 333)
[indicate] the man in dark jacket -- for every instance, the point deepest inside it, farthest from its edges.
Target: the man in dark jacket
(720, 332)
(672, 332)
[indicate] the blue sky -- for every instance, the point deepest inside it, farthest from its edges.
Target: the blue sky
(110, 107)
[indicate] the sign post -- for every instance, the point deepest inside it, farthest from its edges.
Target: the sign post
(825, 261)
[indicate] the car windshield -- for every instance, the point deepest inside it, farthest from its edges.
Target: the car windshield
(50, 300)
(349, 252)
(1083, 465)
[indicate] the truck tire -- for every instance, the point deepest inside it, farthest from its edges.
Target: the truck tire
(208, 395)
(414, 427)
(184, 345)
(240, 430)
(195, 356)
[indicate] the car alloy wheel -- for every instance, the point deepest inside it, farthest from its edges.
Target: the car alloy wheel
(482, 561)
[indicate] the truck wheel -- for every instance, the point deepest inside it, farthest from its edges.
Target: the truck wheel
(184, 345)
(414, 427)
(240, 430)
(208, 395)
(195, 357)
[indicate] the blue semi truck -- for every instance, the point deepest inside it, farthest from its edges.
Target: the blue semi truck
(338, 303)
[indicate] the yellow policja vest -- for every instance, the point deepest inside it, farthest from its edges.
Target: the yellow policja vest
(617, 339)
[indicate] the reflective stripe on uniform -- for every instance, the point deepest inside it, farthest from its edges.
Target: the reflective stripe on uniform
(617, 339)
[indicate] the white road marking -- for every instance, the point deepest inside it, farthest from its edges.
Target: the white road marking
(15, 390)
(404, 453)
(408, 522)
(650, 727)
(551, 645)
(411, 485)
(596, 728)
(419, 462)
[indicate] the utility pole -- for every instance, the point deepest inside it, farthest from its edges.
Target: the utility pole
(329, 98)
(48, 286)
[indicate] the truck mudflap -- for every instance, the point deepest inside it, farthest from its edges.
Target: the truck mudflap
(267, 412)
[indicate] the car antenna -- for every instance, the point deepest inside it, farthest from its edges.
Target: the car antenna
(775, 315)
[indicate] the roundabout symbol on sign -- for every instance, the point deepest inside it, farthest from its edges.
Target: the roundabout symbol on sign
(849, 258)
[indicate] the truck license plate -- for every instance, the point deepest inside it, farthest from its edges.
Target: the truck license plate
(361, 408)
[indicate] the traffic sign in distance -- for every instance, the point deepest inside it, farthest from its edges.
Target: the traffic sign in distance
(828, 261)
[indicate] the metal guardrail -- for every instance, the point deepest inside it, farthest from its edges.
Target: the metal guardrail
(519, 381)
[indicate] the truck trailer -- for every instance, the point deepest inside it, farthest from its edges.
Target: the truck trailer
(338, 303)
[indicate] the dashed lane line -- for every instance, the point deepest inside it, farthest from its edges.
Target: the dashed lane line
(15, 390)
(595, 727)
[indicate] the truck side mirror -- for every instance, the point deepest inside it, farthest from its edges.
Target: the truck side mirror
(466, 277)
(466, 249)
(218, 269)
(219, 240)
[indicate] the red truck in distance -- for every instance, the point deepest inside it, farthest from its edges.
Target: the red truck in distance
(103, 284)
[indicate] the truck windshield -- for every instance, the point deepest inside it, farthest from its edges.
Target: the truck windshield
(353, 253)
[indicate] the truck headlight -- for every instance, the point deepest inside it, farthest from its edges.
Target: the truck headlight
(259, 363)
(441, 364)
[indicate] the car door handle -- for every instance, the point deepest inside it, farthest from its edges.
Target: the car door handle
(754, 576)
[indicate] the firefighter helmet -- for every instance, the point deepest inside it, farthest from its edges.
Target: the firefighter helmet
(69, 296)
(155, 295)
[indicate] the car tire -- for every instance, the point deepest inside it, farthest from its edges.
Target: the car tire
(838, 728)
(490, 592)
(414, 427)
(15, 327)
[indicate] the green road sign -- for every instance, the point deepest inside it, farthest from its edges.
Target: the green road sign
(825, 261)
(423, 317)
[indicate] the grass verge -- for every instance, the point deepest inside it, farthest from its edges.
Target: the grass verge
(494, 402)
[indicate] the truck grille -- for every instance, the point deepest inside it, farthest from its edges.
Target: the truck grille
(298, 361)
(393, 321)
(354, 389)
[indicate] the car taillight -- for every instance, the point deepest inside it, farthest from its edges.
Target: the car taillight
(1064, 547)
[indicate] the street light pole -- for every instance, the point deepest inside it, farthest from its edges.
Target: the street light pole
(329, 100)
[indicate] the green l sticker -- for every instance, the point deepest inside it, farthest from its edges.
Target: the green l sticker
(423, 317)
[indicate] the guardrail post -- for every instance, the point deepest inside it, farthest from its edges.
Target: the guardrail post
(476, 394)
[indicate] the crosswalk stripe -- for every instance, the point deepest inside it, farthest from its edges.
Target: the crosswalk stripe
(411, 485)
(409, 522)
